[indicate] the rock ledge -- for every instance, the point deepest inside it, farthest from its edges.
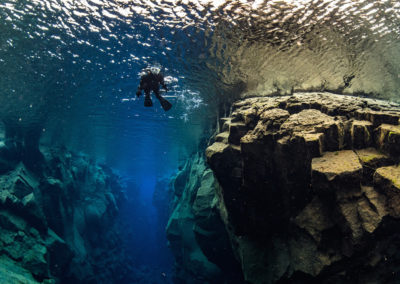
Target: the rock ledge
(310, 187)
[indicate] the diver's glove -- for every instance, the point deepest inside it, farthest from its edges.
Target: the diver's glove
(138, 93)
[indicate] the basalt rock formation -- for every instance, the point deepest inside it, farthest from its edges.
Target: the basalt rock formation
(309, 188)
(56, 220)
(195, 230)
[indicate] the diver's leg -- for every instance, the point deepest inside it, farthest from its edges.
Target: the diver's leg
(157, 93)
(166, 105)
(147, 98)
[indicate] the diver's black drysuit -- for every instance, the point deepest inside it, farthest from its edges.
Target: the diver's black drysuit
(151, 82)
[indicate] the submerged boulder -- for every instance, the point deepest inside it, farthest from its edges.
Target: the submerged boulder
(311, 192)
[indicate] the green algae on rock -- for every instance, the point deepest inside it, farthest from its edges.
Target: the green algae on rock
(47, 218)
(387, 179)
(388, 139)
(11, 272)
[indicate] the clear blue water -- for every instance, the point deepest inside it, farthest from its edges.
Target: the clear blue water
(72, 68)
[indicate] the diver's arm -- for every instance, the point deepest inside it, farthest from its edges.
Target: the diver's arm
(162, 83)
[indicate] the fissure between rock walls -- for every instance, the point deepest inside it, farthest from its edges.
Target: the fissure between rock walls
(293, 189)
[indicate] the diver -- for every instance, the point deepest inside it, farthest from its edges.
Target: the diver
(151, 81)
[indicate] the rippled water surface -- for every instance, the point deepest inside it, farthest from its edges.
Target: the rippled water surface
(72, 66)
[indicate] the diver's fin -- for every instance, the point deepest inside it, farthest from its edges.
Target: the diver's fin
(166, 105)
(148, 102)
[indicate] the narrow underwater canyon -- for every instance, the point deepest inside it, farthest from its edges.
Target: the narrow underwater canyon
(65, 218)
(278, 161)
(290, 189)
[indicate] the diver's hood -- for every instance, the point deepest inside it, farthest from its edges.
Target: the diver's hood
(155, 70)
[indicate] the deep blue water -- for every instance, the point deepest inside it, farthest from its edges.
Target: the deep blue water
(72, 69)
(143, 223)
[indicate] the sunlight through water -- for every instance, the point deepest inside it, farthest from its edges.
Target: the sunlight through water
(69, 62)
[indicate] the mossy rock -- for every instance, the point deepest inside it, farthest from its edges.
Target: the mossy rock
(10, 272)
(387, 179)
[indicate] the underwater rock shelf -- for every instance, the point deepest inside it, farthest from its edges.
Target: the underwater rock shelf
(56, 222)
(309, 188)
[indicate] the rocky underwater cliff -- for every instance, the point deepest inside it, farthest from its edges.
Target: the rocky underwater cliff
(57, 217)
(195, 230)
(296, 189)
(291, 189)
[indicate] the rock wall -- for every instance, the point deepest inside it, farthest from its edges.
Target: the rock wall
(56, 219)
(309, 188)
(195, 230)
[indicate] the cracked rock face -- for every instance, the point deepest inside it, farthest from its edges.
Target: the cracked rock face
(195, 231)
(310, 188)
(57, 227)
